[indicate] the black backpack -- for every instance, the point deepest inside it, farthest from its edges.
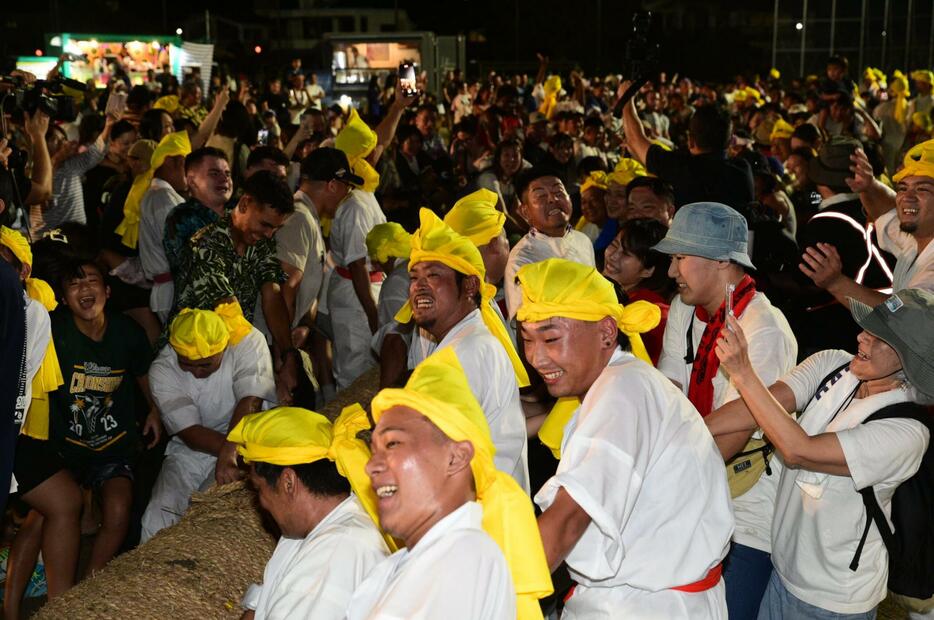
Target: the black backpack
(911, 545)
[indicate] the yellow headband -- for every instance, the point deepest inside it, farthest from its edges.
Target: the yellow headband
(923, 75)
(626, 170)
(434, 241)
(476, 217)
(552, 88)
(357, 141)
(919, 161)
(900, 92)
(287, 436)
(49, 375)
(775, 74)
(781, 130)
(169, 103)
(173, 144)
(558, 287)
(597, 179)
(199, 334)
(438, 390)
(388, 240)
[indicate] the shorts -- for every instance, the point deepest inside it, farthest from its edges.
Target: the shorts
(35, 461)
(93, 474)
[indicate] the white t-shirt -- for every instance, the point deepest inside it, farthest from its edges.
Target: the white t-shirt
(352, 222)
(819, 518)
(456, 571)
(773, 352)
(38, 334)
(392, 296)
(535, 247)
(911, 269)
(493, 382)
(642, 464)
(314, 577)
(300, 244)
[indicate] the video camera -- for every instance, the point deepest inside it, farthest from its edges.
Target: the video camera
(45, 95)
(641, 60)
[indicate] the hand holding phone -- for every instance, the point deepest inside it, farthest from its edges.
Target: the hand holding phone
(407, 79)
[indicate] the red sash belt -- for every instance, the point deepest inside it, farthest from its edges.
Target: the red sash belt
(162, 278)
(708, 582)
(375, 276)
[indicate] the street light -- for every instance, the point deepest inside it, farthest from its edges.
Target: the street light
(178, 31)
(799, 26)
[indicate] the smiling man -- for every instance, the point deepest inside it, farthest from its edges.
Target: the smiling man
(707, 242)
(471, 546)
(546, 206)
(307, 474)
(450, 303)
(639, 507)
(217, 370)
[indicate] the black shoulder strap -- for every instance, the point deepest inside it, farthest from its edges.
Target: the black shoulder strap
(823, 386)
(874, 512)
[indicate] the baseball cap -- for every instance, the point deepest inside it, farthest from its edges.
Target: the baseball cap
(906, 322)
(709, 230)
(327, 164)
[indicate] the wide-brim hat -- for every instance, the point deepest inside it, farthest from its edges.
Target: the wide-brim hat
(906, 322)
(709, 230)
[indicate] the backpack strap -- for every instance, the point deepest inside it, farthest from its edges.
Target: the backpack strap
(874, 512)
(825, 384)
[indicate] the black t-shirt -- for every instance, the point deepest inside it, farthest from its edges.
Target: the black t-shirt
(12, 337)
(708, 177)
(93, 415)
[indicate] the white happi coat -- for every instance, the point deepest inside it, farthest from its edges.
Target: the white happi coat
(314, 577)
(184, 401)
(455, 572)
(637, 457)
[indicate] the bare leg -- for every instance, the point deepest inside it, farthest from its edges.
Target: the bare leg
(22, 562)
(116, 499)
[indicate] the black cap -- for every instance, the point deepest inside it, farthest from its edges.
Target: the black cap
(327, 164)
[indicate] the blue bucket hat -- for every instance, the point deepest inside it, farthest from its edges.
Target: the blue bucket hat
(709, 230)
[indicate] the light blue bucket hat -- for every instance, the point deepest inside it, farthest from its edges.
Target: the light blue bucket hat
(710, 230)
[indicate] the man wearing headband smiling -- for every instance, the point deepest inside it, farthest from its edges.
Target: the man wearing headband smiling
(432, 469)
(450, 302)
(639, 508)
(309, 476)
(217, 369)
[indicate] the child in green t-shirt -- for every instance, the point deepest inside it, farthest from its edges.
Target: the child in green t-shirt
(93, 434)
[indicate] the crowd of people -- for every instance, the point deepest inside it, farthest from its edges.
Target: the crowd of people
(665, 356)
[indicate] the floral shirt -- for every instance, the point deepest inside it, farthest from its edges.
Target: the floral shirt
(180, 226)
(217, 272)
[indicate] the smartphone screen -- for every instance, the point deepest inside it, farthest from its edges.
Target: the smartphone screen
(262, 137)
(407, 79)
(729, 299)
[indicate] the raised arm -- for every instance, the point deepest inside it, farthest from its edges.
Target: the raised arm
(636, 140)
(386, 129)
(209, 124)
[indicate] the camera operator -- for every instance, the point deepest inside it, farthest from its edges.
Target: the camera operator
(27, 190)
(67, 201)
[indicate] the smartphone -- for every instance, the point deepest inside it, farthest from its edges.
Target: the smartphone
(262, 137)
(116, 103)
(729, 299)
(407, 71)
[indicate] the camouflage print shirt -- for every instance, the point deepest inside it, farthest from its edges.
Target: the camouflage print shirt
(217, 272)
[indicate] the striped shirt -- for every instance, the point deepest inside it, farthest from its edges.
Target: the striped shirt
(67, 202)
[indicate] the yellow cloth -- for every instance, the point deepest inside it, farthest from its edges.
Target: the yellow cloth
(581, 223)
(744, 94)
(900, 93)
(923, 75)
(551, 432)
(919, 161)
(435, 241)
(388, 240)
(237, 325)
(438, 390)
(476, 217)
(775, 74)
(781, 130)
(558, 287)
(173, 144)
(288, 436)
(169, 103)
(552, 88)
(198, 334)
(626, 170)
(357, 141)
(49, 375)
(598, 179)
(922, 121)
